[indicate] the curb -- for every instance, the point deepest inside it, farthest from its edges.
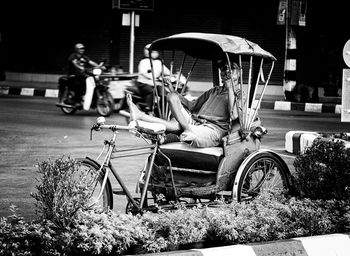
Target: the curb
(307, 107)
(275, 105)
(323, 245)
(51, 93)
(297, 141)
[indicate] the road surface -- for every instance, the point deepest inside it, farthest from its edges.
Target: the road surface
(33, 129)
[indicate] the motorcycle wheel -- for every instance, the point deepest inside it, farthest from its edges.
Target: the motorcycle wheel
(119, 104)
(69, 111)
(105, 104)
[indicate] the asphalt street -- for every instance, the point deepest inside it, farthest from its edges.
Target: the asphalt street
(33, 129)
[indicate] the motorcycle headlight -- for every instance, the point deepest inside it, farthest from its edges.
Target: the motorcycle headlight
(97, 71)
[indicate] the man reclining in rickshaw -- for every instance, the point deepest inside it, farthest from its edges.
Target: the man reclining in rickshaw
(204, 121)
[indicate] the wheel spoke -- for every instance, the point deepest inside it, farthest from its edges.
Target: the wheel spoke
(91, 179)
(265, 174)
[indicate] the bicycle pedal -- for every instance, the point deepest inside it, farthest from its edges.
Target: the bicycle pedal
(118, 192)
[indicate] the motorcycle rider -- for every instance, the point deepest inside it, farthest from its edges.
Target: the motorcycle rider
(145, 79)
(77, 64)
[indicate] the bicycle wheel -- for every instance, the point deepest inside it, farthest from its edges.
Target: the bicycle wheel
(88, 171)
(263, 171)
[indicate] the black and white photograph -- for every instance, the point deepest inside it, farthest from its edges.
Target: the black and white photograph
(184, 128)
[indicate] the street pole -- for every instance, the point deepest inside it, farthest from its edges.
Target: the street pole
(132, 42)
(285, 79)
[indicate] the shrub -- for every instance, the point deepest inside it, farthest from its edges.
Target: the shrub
(62, 191)
(175, 228)
(323, 170)
(107, 233)
(18, 237)
(93, 233)
(266, 218)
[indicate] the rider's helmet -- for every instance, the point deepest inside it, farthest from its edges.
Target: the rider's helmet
(154, 54)
(79, 46)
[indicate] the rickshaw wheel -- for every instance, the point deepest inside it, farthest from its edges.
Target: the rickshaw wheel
(264, 172)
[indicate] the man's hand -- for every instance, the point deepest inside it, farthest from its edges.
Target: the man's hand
(167, 81)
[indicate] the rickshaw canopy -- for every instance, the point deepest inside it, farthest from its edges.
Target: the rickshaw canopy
(210, 46)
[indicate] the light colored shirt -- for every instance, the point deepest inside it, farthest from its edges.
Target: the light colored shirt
(145, 71)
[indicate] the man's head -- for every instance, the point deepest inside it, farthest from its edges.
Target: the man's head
(79, 48)
(154, 54)
(225, 71)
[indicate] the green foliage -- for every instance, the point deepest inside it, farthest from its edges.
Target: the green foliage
(107, 233)
(93, 233)
(62, 191)
(323, 170)
(20, 238)
(174, 228)
(68, 227)
(267, 218)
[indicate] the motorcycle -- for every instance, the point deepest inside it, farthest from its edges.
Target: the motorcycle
(127, 84)
(97, 95)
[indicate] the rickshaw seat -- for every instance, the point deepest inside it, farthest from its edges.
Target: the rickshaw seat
(184, 155)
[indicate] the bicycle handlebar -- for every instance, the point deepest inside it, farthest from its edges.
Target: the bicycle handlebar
(114, 127)
(100, 124)
(140, 127)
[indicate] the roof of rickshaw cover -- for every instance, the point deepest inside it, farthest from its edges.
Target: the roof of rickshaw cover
(210, 46)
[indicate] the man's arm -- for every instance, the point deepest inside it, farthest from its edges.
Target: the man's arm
(76, 64)
(94, 64)
(144, 69)
(231, 97)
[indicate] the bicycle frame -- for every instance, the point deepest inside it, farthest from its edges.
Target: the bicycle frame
(111, 152)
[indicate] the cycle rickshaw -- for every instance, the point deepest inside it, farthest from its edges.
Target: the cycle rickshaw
(237, 170)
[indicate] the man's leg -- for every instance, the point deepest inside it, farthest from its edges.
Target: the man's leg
(90, 86)
(180, 122)
(136, 114)
(176, 109)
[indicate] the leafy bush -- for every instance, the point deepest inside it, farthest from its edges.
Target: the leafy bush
(93, 233)
(268, 218)
(62, 191)
(175, 228)
(18, 237)
(67, 227)
(107, 233)
(323, 170)
(98, 233)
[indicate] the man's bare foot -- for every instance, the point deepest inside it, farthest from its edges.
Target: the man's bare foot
(135, 113)
(187, 135)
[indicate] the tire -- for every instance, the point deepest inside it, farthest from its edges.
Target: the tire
(119, 104)
(88, 170)
(69, 111)
(105, 104)
(263, 171)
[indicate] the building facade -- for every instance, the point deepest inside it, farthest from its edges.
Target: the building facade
(39, 36)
